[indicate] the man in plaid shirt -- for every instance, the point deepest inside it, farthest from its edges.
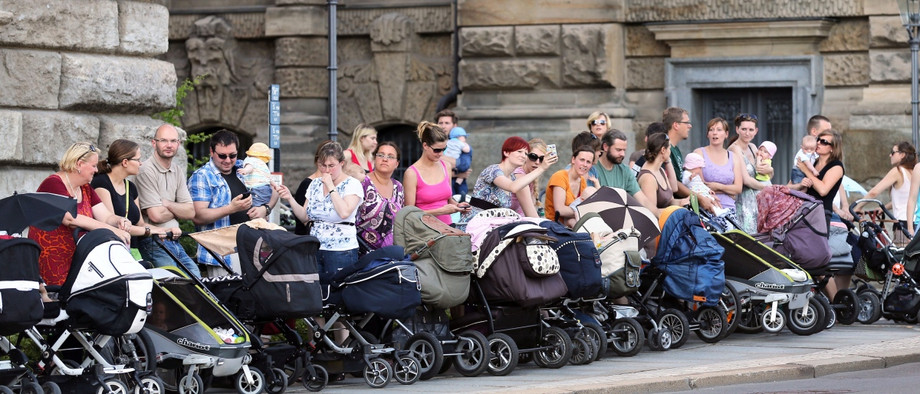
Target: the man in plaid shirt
(217, 192)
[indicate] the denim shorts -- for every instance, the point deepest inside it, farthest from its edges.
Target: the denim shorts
(329, 262)
(152, 253)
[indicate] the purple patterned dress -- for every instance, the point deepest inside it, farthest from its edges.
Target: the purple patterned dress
(376, 214)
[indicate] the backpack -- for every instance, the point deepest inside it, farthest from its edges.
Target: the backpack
(579, 263)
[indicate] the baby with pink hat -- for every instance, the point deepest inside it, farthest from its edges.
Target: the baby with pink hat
(765, 155)
(693, 179)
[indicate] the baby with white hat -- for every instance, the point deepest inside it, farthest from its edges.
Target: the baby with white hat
(256, 175)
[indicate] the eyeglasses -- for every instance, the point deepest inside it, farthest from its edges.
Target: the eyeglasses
(133, 159)
(224, 156)
(166, 141)
(747, 117)
(385, 157)
(824, 142)
(596, 122)
(533, 157)
(893, 152)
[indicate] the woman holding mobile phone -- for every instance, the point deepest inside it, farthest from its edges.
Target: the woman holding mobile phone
(427, 182)
(497, 183)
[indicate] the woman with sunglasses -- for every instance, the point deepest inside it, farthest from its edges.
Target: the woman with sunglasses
(723, 170)
(383, 198)
(903, 158)
(825, 186)
(77, 168)
(526, 200)
(567, 186)
(427, 182)
(742, 145)
(654, 182)
(599, 124)
(120, 196)
(496, 184)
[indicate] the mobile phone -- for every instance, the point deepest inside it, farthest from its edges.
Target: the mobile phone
(551, 149)
(245, 195)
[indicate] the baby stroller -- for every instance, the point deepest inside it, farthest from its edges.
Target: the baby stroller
(444, 261)
(516, 274)
(896, 268)
(682, 286)
(795, 224)
(20, 308)
(278, 281)
(105, 301)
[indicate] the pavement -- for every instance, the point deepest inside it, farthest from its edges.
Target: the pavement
(740, 358)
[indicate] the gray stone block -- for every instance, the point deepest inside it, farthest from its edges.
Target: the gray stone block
(22, 180)
(116, 84)
(75, 24)
(536, 40)
(846, 69)
(11, 135)
(30, 78)
(487, 41)
(889, 65)
(887, 32)
(511, 73)
(137, 128)
(46, 134)
(144, 28)
(296, 21)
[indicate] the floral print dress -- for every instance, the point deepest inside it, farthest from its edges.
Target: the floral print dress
(746, 204)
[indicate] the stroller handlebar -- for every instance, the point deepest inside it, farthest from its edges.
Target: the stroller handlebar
(859, 214)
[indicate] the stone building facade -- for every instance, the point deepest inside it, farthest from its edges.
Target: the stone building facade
(538, 70)
(96, 69)
(80, 70)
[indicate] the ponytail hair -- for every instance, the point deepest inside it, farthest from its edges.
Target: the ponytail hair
(430, 133)
(119, 151)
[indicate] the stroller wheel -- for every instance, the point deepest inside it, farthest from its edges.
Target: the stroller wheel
(50, 387)
(808, 319)
(191, 384)
(5, 390)
(34, 388)
(556, 348)
(676, 322)
(848, 303)
(277, 382)
(712, 324)
(730, 305)
(772, 322)
(151, 384)
(749, 314)
(317, 382)
(830, 315)
(473, 357)
(504, 356)
(595, 333)
(111, 386)
(870, 307)
(582, 351)
(249, 383)
(377, 373)
(628, 337)
(408, 372)
(427, 349)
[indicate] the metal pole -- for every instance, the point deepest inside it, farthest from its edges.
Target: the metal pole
(914, 101)
(333, 120)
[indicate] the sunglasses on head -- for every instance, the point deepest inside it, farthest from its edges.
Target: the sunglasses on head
(534, 157)
(598, 121)
(747, 117)
(824, 142)
(224, 156)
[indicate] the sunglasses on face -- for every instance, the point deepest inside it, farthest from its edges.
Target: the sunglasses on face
(224, 156)
(596, 122)
(893, 152)
(822, 141)
(533, 157)
(437, 150)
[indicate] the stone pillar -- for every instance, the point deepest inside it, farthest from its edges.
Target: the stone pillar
(540, 71)
(300, 32)
(81, 70)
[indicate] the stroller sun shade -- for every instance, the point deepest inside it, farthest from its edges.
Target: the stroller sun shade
(187, 313)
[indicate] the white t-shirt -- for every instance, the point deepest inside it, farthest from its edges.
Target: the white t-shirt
(333, 232)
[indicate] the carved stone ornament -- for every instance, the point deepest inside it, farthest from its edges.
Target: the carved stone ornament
(229, 82)
(395, 84)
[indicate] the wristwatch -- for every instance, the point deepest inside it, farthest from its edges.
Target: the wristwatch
(268, 209)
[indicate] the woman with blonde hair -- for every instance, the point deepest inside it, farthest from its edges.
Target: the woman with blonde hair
(363, 142)
(77, 167)
(598, 123)
(427, 182)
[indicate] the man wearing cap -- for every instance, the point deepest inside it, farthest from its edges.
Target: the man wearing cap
(217, 191)
(163, 196)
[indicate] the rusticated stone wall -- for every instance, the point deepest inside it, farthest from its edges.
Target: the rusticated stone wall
(80, 70)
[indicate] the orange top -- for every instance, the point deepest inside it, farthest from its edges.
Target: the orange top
(560, 179)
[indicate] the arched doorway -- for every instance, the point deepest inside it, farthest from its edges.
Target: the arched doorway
(405, 137)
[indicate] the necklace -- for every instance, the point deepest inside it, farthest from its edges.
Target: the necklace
(72, 191)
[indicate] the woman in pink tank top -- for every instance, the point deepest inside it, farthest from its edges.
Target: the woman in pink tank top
(427, 185)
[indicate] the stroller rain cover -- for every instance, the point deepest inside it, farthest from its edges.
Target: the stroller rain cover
(691, 259)
(106, 290)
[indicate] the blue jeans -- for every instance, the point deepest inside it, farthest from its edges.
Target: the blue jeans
(797, 175)
(152, 252)
(261, 195)
(330, 262)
